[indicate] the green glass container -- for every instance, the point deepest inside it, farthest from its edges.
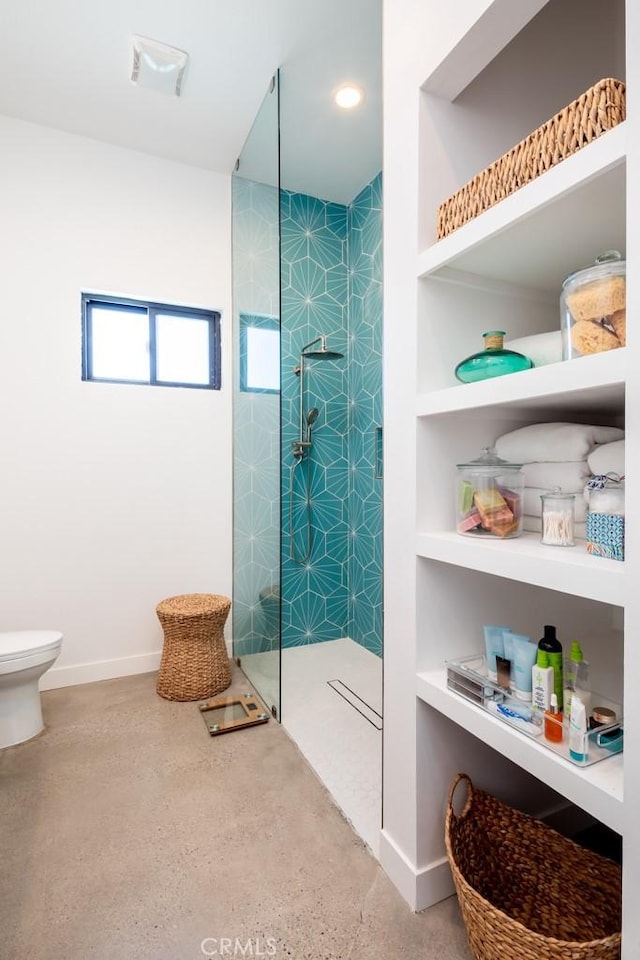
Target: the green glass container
(494, 361)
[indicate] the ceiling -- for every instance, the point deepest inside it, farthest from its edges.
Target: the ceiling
(66, 64)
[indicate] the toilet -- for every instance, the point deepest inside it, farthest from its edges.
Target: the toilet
(24, 656)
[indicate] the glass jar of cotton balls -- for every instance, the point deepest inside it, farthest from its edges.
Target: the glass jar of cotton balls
(557, 518)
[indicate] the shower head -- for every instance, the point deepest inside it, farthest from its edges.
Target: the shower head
(321, 353)
(312, 416)
(324, 355)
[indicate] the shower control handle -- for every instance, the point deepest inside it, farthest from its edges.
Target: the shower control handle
(299, 446)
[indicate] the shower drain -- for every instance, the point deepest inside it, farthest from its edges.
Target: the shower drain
(352, 698)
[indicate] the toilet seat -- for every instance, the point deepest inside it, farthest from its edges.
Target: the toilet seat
(23, 644)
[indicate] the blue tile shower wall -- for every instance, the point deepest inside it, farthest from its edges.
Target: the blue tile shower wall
(364, 232)
(332, 284)
(314, 302)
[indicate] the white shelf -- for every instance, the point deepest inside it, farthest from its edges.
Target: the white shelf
(552, 218)
(588, 384)
(565, 569)
(500, 22)
(597, 789)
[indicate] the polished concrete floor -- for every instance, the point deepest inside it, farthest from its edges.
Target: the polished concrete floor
(127, 832)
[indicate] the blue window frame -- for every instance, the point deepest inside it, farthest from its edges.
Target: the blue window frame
(259, 354)
(157, 344)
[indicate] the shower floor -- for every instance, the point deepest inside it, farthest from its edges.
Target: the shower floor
(341, 745)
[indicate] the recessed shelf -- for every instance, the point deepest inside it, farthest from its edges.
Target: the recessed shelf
(565, 569)
(597, 789)
(546, 229)
(491, 32)
(589, 385)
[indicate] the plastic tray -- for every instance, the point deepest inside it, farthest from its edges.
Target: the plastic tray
(467, 676)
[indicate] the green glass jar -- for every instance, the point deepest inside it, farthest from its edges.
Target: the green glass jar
(493, 361)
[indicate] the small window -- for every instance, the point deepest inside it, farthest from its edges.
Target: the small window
(133, 341)
(259, 354)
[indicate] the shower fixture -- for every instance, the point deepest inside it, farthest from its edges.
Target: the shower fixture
(321, 353)
(311, 418)
(301, 447)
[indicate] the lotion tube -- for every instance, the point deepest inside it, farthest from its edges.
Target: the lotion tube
(493, 647)
(524, 657)
(578, 730)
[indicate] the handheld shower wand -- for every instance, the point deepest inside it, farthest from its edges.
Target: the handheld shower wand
(311, 418)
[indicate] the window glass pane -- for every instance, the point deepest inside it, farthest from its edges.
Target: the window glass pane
(182, 349)
(263, 359)
(120, 344)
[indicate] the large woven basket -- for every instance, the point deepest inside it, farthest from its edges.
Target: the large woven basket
(525, 891)
(194, 663)
(599, 109)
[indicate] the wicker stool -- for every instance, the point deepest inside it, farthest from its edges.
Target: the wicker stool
(194, 664)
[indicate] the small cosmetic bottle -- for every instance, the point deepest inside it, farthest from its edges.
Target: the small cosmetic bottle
(553, 722)
(542, 682)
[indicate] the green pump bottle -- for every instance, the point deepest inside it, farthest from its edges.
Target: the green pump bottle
(553, 648)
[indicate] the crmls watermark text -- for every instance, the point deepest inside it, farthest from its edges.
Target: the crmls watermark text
(237, 947)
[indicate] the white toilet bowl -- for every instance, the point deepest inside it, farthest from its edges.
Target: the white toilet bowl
(24, 656)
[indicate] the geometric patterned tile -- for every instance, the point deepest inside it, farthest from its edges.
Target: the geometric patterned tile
(314, 301)
(364, 231)
(331, 283)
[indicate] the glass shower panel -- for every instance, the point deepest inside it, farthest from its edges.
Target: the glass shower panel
(256, 404)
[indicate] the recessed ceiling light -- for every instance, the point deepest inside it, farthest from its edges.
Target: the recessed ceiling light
(348, 96)
(158, 66)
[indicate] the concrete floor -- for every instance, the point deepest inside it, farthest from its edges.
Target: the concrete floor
(127, 832)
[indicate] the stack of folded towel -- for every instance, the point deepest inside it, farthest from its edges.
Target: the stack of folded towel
(560, 455)
(607, 458)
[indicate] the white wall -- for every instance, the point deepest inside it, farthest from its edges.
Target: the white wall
(111, 496)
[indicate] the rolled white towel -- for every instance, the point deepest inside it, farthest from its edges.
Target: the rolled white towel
(554, 442)
(570, 476)
(534, 525)
(532, 504)
(542, 348)
(607, 458)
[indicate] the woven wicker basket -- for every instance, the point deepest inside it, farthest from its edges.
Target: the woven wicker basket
(525, 892)
(599, 109)
(194, 663)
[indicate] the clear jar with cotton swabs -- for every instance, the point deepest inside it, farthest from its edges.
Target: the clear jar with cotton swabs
(557, 518)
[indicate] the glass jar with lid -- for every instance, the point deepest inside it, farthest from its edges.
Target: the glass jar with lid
(489, 497)
(593, 307)
(557, 518)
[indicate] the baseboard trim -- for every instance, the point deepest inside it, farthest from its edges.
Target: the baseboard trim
(99, 670)
(420, 888)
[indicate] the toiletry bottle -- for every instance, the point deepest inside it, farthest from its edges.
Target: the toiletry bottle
(553, 648)
(542, 682)
(494, 646)
(524, 656)
(578, 730)
(576, 680)
(553, 721)
(504, 664)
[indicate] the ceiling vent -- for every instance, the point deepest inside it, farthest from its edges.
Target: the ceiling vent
(157, 66)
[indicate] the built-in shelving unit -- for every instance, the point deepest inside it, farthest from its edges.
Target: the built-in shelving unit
(551, 219)
(596, 789)
(572, 571)
(595, 386)
(480, 90)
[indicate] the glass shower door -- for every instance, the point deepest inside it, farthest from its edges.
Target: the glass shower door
(256, 404)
